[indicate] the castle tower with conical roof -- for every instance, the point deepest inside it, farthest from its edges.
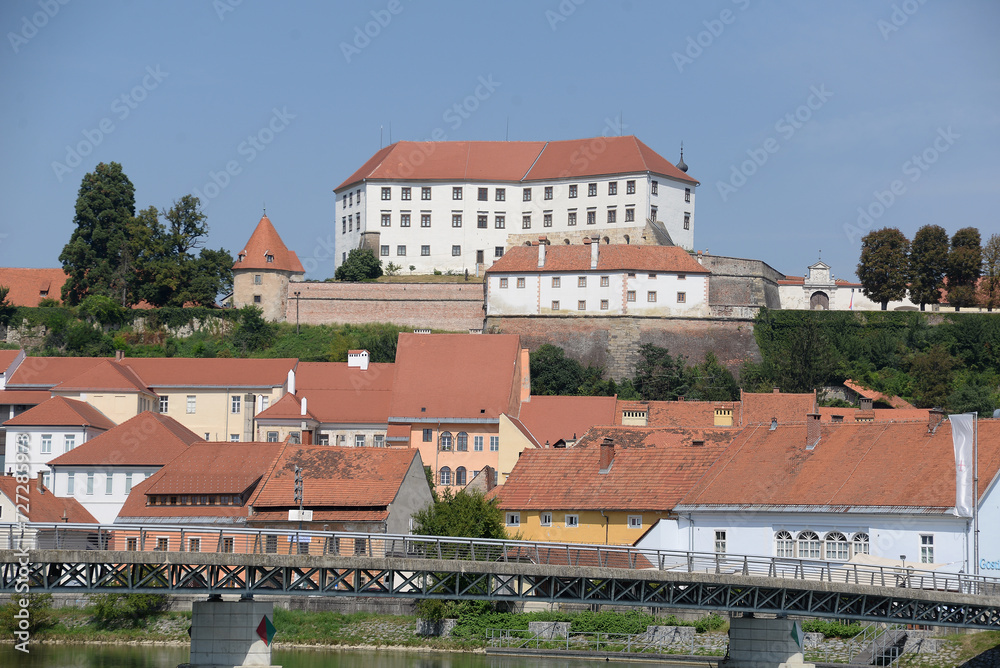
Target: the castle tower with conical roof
(263, 270)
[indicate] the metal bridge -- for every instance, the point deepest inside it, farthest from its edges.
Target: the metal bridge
(202, 560)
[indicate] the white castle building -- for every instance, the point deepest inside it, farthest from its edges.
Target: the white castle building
(459, 205)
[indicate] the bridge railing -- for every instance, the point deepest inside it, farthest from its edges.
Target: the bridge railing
(236, 540)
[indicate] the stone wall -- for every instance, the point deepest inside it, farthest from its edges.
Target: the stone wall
(741, 282)
(454, 307)
(613, 342)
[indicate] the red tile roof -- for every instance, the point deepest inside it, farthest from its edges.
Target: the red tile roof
(760, 408)
(288, 407)
(875, 395)
(215, 468)
(148, 439)
(455, 376)
(679, 413)
(877, 414)
(30, 286)
(324, 516)
(263, 242)
(135, 509)
(611, 257)
(338, 376)
(853, 465)
(512, 161)
(61, 412)
(551, 419)
(7, 357)
(652, 469)
(105, 375)
(47, 372)
(44, 507)
(336, 477)
(23, 397)
(168, 372)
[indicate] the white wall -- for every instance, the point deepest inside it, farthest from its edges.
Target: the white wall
(103, 506)
(989, 530)
(37, 460)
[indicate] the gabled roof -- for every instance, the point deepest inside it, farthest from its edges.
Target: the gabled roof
(106, 375)
(875, 395)
(762, 407)
(512, 161)
(680, 413)
(455, 376)
(7, 358)
(30, 286)
(148, 439)
(215, 467)
(652, 469)
(336, 477)
(552, 419)
(23, 397)
(611, 257)
(853, 465)
(47, 372)
(288, 407)
(263, 242)
(339, 376)
(44, 507)
(169, 372)
(61, 412)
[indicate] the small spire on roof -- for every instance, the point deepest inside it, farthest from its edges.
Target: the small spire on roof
(265, 209)
(681, 165)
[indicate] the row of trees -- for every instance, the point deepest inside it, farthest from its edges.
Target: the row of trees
(114, 252)
(891, 266)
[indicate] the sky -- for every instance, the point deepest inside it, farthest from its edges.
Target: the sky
(807, 124)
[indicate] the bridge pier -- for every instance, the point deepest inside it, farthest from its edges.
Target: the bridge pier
(765, 643)
(229, 633)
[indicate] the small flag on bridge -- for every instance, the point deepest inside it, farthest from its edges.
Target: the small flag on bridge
(266, 630)
(797, 634)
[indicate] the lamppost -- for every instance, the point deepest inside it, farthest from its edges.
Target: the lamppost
(297, 293)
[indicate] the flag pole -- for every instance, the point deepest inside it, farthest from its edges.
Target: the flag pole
(975, 490)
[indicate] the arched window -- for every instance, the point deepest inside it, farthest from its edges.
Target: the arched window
(837, 547)
(444, 475)
(445, 440)
(809, 546)
(860, 543)
(566, 241)
(607, 240)
(784, 546)
(463, 443)
(460, 475)
(627, 240)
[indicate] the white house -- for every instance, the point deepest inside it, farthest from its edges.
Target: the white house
(101, 473)
(597, 279)
(24, 504)
(459, 205)
(820, 290)
(839, 491)
(51, 428)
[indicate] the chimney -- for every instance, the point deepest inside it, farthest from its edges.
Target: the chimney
(38, 484)
(595, 245)
(812, 430)
(490, 477)
(542, 243)
(934, 418)
(607, 455)
(775, 390)
(305, 409)
(119, 355)
(774, 424)
(358, 358)
(291, 381)
(865, 403)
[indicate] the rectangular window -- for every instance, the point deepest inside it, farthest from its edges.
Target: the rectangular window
(132, 544)
(162, 544)
(428, 435)
(128, 483)
(681, 297)
(109, 483)
(46, 444)
(605, 281)
(612, 187)
(635, 521)
(404, 193)
(629, 215)
(272, 437)
(386, 193)
(503, 282)
(69, 442)
(630, 296)
(191, 404)
(687, 221)
(526, 195)
(630, 187)
(404, 220)
(456, 220)
(500, 223)
(926, 549)
(70, 484)
(494, 443)
(604, 304)
(591, 217)
(194, 544)
(520, 282)
(526, 221)
(378, 441)
(90, 483)
(235, 403)
(501, 194)
(572, 191)
(359, 440)
(572, 521)
(386, 220)
(482, 222)
(227, 544)
(545, 519)
(498, 251)
(581, 282)
(548, 192)
(256, 299)
(350, 223)
(612, 216)
(687, 194)
(456, 192)
(571, 219)
(425, 251)
(425, 193)
(350, 199)
(456, 251)
(383, 251)
(555, 305)
(546, 220)
(484, 194)
(258, 279)
(651, 296)
(654, 188)
(556, 281)
(513, 519)
(581, 305)
(164, 404)
(425, 220)
(720, 536)
(234, 438)
(591, 190)
(401, 251)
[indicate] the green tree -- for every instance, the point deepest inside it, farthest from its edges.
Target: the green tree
(126, 611)
(658, 376)
(964, 267)
(932, 373)
(7, 310)
(103, 310)
(713, 382)
(884, 265)
(809, 359)
(465, 514)
(552, 373)
(361, 264)
(40, 614)
(928, 264)
(970, 398)
(989, 287)
(252, 333)
(96, 258)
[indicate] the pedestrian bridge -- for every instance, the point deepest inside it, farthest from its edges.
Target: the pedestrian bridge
(246, 562)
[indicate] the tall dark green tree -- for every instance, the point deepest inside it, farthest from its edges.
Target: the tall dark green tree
(932, 375)
(989, 287)
(965, 266)
(659, 376)
(553, 373)
(713, 382)
(7, 310)
(928, 264)
(96, 258)
(884, 265)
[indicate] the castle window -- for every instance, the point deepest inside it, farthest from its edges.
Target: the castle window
(555, 305)
(456, 220)
(629, 215)
(425, 220)
(456, 193)
(269, 257)
(482, 222)
(425, 193)
(591, 217)
(604, 304)
(651, 296)
(526, 221)
(384, 251)
(386, 220)
(630, 187)
(501, 223)
(681, 297)
(401, 251)
(654, 188)
(404, 220)
(425, 251)
(386, 193)
(483, 194)
(456, 251)
(572, 191)
(404, 193)
(526, 195)
(548, 192)
(687, 194)
(612, 187)
(591, 190)
(256, 299)
(630, 296)
(571, 219)
(498, 251)
(612, 216)
(501, 194)
(687, 220)
(546, 220)
(257, 279)
(520, 282)
(503, 282)
(556, 281)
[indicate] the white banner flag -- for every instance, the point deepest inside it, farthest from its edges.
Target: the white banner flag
(962, 435)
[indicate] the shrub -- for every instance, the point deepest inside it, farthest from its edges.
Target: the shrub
(126, 611)
(831, 629)
(39, 618)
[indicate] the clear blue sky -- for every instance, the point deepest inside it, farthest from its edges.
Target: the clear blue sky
(173, 91)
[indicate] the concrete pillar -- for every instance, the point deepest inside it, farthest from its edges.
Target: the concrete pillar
(765, 643)
(224, 633)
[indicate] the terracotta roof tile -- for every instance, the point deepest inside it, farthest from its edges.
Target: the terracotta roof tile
(23, 397)
(679, 413)
(760, 408)
(875, 395)
(288, 407)
(105, 375)
(30, 286)
(263, 242)
(339, 376)
(148, 439)
(613, 155)
(7, 358)
(45, 507)
(47, 372)
(135, 509)
(611, 257)
(61, 412)
(215, 467)
(551, 419)
(876, 415)
(167, 372)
